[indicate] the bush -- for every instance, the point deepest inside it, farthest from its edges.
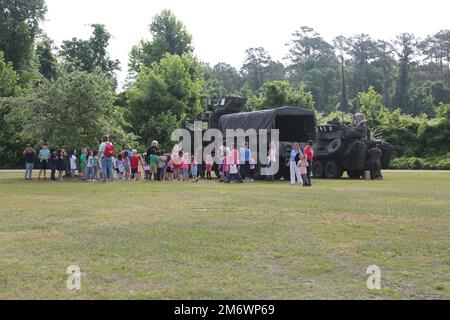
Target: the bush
(414, 163)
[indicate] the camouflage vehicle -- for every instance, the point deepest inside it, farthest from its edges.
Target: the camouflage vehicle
(342, 148)
(337, 148)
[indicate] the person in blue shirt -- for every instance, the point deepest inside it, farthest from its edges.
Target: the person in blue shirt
(245, 161)
(44, 157)
(296, 177)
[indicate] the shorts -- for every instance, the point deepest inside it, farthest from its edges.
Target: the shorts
(44, 165)
(134, 171)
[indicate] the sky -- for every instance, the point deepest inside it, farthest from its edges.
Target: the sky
(223, 30)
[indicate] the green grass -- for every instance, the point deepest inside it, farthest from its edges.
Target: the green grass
(214, 241)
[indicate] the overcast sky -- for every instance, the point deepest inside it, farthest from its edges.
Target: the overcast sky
(223, 30)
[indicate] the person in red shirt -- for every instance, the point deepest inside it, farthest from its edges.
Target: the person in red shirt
(134, 163)
(309, 154)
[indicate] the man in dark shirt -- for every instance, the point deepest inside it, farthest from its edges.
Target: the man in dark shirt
(375, 162)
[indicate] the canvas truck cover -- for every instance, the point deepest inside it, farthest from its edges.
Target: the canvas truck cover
(295, 124)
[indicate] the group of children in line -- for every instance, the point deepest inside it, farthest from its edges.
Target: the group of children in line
(234, 164)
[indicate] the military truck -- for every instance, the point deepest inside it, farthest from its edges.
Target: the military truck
(340, 148)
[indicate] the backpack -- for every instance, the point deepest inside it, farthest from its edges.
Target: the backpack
(109, 150)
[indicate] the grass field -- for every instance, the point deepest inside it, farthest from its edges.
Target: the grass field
(214, 241)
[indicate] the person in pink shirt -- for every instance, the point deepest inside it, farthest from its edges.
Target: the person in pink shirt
(232, 161)
(303, 168)
(209, 165)
(185, 167)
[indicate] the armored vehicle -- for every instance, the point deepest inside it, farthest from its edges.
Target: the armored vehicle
(342, 148)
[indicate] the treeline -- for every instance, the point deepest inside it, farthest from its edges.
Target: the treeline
(69, 96)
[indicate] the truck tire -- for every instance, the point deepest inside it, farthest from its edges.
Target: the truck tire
(318, 169)
(335, 147)
(333, 170)
(354, 174)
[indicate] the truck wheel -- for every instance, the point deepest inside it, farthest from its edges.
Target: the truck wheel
(318, 169)
(333, 170)
(335, 147)
(354, 174)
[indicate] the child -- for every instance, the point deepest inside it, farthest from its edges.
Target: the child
(161, 165)
(303, 167)
(194, 169)
(126, 165)
(44, 157)
(96, 165)
(134, 163)
(185, 167)
(53, 165)
(169, 168)
(141, 166)
(147, 167)
(209, 164)
(61, 164)
(73, 164)
(252, 169)
(90, 166)
(83, 164)
(119, 167)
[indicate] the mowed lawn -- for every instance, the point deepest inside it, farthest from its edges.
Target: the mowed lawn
(214, 241)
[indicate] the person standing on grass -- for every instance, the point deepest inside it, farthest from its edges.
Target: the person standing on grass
(209, 165)
(271, 160)
(245, 152)
(161, 166)
(309, 155)
(90, 166)
(134, 163)
(83, 164)
(232, 161)
(96, 165)
(53, 165)
(293, 161)
(106, 151)
(29, 162)
(44, 157)
(61, 164)
(375, 162)
(73, 164)
(303, 168)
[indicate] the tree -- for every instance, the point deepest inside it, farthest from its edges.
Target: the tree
(313, 62)
(19, 26)
(47, 60)
(228, 75)
(87, 55)
(339, 45)
(173, 87)
(256, 67)
(169, 35)
(279, 93)
(8, 78)
(405, 45)
(73, 111)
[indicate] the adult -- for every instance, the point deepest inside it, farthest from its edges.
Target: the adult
(309, 155)
(296, 177)
(29, 162)
(153, 149)
(245, 153)
(106, 152)
(73, 164)
(232, 162)
(375, 154)
(44, 157)
(224, 150)
(271, 160)
(62, 164)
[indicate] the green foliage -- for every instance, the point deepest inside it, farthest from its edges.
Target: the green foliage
(8, 78)
(73, 111)
(169, 35)
(173, 87)
(415, 163)
(47, 60)
(89, 55)
(19, 26)
(279, 93)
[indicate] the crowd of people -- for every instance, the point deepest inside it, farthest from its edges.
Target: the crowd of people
(235, 164)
